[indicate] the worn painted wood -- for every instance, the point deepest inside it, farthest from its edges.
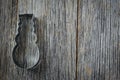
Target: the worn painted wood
(98, 40)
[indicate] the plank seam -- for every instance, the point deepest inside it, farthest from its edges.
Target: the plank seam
(76, 73)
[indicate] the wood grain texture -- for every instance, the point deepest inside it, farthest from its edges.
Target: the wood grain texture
(8, 15)
(98, 44)
(55, 26)
(56, 32)
(77, 39)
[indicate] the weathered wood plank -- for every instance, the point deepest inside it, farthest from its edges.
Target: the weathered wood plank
(66, 35)
(8, 15)
(98, 44)
(55, 26)
(56, 32)
(61, 38)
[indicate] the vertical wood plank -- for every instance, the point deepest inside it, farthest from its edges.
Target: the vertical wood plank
(55, 23)
(61, 38)
(98, 48)
(8, 21)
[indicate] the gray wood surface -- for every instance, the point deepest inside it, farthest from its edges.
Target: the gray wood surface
(8, 18)
(77, 39)
(98, 40)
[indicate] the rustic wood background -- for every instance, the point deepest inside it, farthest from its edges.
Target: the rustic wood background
(77, 39)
